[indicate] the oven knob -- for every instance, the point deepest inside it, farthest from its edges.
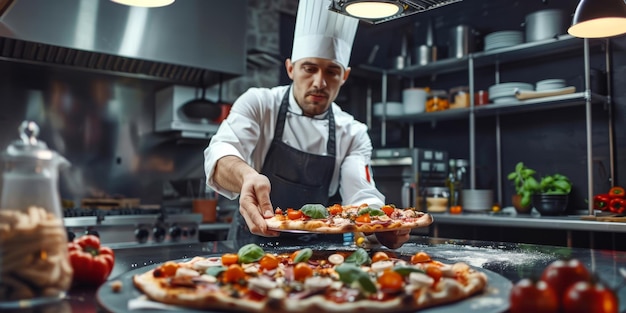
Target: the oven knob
(192, 231)
(142, 234)
(91, 231)
(70, 236)
(175, 232)
(158, 233)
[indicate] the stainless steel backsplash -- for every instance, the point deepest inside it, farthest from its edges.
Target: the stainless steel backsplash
(103, 125)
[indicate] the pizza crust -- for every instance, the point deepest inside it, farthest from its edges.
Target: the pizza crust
(339, 225)
(458, 283)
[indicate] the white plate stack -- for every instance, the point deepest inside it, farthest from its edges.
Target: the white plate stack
(394, 109)
(549, 84)
(505, 38)
(505, 92)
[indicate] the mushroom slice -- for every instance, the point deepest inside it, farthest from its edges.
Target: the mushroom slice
(315, 283)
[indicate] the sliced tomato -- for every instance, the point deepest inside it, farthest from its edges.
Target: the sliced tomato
(301, 271)
(390, 281)
(388, 209)
(363, 218)
(294, 214)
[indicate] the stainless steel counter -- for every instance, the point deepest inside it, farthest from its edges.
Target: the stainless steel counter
(570, 222)
(510, 260)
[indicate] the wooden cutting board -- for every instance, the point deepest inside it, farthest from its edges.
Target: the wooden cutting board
(607, 218)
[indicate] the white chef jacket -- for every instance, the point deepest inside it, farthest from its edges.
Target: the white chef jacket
(249, 129)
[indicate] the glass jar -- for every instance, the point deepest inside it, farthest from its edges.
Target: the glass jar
(436, 199)
(34, 263)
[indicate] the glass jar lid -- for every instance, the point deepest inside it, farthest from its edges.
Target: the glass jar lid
(28, 146)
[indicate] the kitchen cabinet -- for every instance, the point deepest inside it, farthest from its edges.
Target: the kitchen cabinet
(558, 47)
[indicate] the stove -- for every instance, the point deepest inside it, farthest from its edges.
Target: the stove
(129, 227)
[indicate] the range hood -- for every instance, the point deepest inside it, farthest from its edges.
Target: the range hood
(187, 43)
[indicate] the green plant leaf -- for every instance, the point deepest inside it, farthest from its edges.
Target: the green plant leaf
(314, 210)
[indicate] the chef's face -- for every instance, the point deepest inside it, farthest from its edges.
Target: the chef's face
(316, 83)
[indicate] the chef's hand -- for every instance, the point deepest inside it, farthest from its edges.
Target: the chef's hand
(255, 204)
(393, 239)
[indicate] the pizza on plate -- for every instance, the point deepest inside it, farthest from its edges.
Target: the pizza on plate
(304, 280)
(338, 219)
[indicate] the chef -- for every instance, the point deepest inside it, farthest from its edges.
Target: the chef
(287, 146)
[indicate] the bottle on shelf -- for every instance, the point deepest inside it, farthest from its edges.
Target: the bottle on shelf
(454, 184)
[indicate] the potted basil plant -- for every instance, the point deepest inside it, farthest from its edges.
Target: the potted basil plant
(553, 194)
(525, 186)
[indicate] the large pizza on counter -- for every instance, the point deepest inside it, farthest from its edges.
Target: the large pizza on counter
(310, 281)
(337, 219)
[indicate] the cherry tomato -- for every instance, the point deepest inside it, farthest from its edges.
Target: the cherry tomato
(388, 209)
(587, 296)
(269, 262)
(294, 214)
(230, 258)
(169, 268)
(301, 271)
(364, 218)
(420, 257)
(390, 281)
(560, 274)
(335, 209)
(278, 211)
(434, 272)
(234, 273)
(456, 209)
(380, 256)
(533, 296)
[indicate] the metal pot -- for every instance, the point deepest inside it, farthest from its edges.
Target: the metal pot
(461, 41)
(544, 24)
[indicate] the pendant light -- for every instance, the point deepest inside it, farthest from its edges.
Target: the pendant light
(145, 3)
(372, 9)
(599, 19)
(380, 11)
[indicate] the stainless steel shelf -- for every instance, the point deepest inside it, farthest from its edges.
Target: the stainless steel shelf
(524, 51)
(538, 104)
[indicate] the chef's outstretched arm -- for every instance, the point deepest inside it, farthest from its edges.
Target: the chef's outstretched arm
(234, 174)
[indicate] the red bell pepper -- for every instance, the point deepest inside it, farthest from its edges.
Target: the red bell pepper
(601, 202)
(617, 205)
(91, 262)
(617, 192)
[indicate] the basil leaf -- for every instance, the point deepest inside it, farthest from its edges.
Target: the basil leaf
(348, 273)
(364, 211)
(314, 210)
(303, 255)
(377, 212)
(406, 270)
(359, 257)
(250, 253)
(366, 283)
(215, 270)
(371, 211)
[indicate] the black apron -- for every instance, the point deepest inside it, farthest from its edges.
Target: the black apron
(297, 178)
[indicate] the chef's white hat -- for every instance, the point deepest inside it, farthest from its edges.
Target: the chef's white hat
(321, 33)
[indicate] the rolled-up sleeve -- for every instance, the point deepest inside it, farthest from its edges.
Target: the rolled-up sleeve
(357, 184)
(241, 143)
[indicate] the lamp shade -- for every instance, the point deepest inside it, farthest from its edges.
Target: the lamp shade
(145, 3)
(599, 19)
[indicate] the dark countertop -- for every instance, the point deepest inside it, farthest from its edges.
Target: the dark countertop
(510, 260)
